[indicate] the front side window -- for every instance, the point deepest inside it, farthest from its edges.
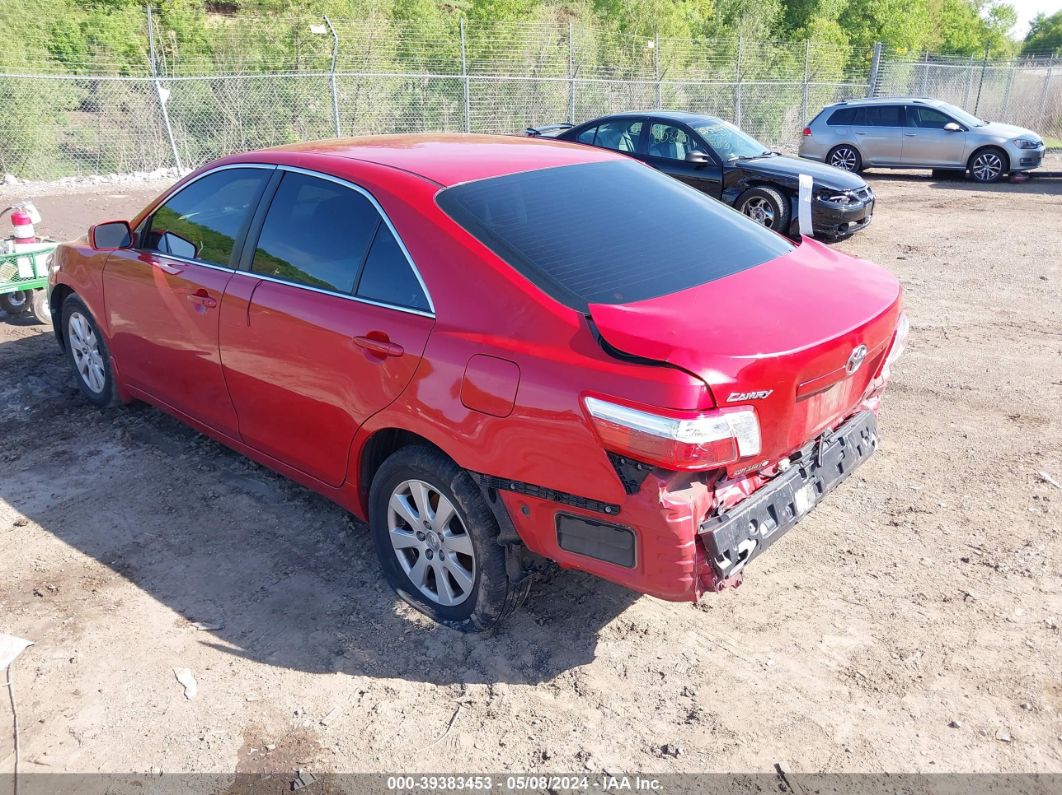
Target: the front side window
(621, 135)
(879, 116)
(203, 220)
(670, 141)
(918, 116)
(608, 233)
(315, 233)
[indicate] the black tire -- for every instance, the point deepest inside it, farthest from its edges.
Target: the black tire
(40, 308)
(845, 157)
(765, 206)
(74, 309)
(988, 164)
(15, 304)
(491, 597)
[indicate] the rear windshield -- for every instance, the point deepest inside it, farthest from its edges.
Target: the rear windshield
(609, 233)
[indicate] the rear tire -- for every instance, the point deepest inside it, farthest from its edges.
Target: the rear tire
(87, 352)
(437, 541)
(845, 157)
(765, 206)
(988, 165)
(15, 304)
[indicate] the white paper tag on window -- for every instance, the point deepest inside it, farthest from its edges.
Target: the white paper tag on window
(804, 205)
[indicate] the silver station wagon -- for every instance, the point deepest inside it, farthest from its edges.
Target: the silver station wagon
(912, 132)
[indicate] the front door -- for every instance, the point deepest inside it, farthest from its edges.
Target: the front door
(326, 326)
(162, 297)
(666, 147)
(927, 143)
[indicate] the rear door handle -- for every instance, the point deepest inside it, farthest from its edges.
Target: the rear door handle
(910, 135)
(381, 347)
(860, 132)
(202, 298)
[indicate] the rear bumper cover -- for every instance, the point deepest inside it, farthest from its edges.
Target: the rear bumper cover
(736, 537)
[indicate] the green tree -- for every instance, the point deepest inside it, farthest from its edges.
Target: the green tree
(1045, 35)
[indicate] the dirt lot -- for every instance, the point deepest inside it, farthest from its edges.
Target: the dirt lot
(911, 623)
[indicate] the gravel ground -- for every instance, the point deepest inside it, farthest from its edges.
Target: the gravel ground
(911, 623)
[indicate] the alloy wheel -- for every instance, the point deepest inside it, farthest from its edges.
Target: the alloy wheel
(760, 210)
(431, 542)
(845, 158)
(85, 347)
(987, 167)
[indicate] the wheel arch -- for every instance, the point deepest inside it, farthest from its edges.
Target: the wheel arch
(380, 445)
(59, 294)
(984, 147)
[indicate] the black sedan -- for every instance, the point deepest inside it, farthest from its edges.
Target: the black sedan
(719, 159)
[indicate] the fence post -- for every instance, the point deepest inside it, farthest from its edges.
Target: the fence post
(332, 76)
(925, 74)
(163, 94)
(464, 78)
(1006, 91)
(875, 67)
(981, 82)
(571, 72)
(737, 82)
(807, 78)
(1043, 94)
(969, 83)
(656, 69)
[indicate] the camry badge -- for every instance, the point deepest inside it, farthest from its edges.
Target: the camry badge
(855, 361)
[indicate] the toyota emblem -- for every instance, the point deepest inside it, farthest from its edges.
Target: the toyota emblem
(855, 361)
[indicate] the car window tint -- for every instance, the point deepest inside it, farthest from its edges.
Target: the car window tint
(841, 117)
(203, 220)
(315, 233)
(670, 141)
(587, 135)
(611, 233)
(388, 277)
(879, 116)
(621, 135)
(927, 118)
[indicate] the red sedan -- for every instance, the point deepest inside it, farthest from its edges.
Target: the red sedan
(503, 353)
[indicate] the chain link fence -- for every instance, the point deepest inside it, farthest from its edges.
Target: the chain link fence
(269, 81)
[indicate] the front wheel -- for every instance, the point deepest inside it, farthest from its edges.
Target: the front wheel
(845, 157)
(15, 304)
(436, 538)
(765, 206)
(988, 165)
(87, 352)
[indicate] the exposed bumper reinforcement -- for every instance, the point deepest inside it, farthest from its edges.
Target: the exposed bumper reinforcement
(736, 537)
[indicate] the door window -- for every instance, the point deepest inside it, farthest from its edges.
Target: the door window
(316, 233)
(879, 116)
(674, 143)
(927, 118)
(203, 220)
(621, 135)
(388, 276)
(587, 135)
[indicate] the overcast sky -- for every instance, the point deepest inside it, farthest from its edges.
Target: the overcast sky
(1027, 9)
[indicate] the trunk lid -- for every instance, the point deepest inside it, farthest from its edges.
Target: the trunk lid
(788, 328)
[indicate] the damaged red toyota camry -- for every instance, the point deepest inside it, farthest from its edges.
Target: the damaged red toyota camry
(503, 353)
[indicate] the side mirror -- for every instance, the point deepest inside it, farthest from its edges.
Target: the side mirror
(952, 127)
(697, 157)
(110, 235)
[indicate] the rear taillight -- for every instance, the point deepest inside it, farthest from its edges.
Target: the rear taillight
(807, 132)
(898, 342)
(697, 440)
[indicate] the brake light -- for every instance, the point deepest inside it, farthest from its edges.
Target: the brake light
(697, 440)
(898, 342)
(807, 132)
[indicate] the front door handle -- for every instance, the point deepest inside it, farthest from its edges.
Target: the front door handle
(381, 347)
(202, 298)
(910, 135)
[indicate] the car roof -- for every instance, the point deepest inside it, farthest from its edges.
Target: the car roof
(888, 101)
(445, 159)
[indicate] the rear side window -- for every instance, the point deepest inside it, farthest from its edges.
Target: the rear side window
(879, 116)
(315, 233)
(609, 233)
(621, 135)
(388, 277)
(841, 117)
(203, 220)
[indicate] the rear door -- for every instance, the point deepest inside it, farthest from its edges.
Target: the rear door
(927, 143)
(163, 297)
(324, 325)
(878, 133)
(666, 146)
